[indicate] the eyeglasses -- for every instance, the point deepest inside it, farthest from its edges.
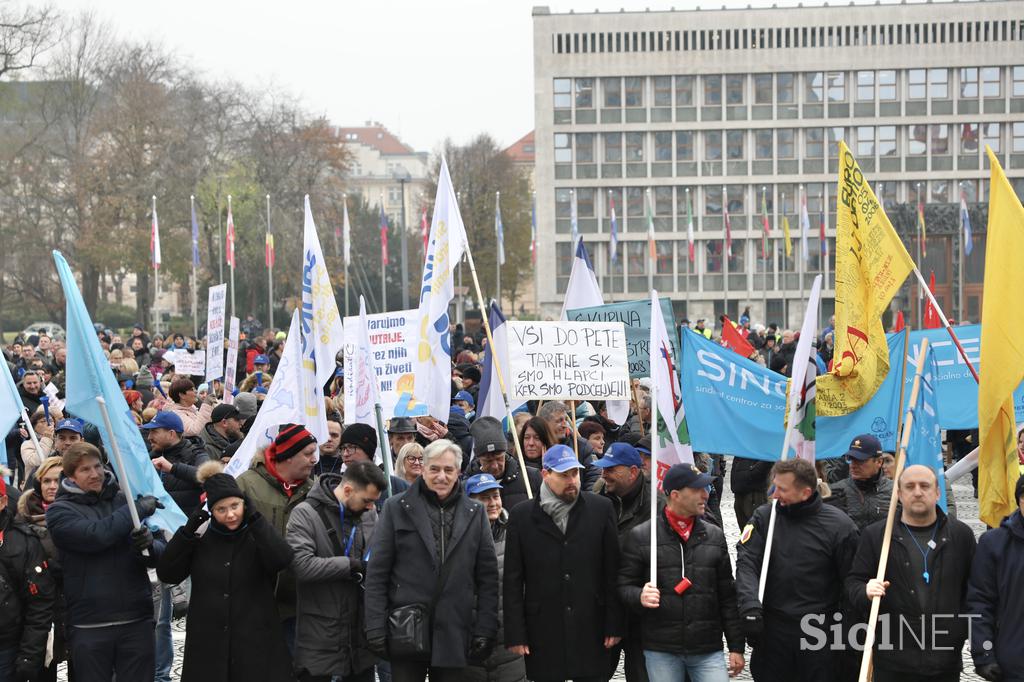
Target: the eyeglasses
(414, 460)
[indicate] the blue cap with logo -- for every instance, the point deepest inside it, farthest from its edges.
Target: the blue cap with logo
(620, 455)
(165, 420)
(561, 458)
(481, 482)
(467, 396)
(261, 359)
(72, 425)
(864, 447)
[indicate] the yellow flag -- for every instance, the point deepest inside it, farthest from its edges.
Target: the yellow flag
(871, 264)
(789, 241)
(1002, 352)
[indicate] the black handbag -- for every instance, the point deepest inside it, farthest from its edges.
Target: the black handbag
(409, 630)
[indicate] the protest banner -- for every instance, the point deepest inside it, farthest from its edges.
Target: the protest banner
(215, 332)
(232, 363)
(191, 364)
(636, 317)
(568, 361)
(393, 339)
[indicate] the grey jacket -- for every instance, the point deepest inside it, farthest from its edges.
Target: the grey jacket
(329, 628)
(863, 501)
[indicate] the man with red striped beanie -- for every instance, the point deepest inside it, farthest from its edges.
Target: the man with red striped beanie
(275, 483)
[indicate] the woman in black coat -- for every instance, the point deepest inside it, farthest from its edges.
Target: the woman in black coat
(234, 630)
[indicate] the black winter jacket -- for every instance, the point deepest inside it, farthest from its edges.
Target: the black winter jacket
(749, 475)
(180, 482)
(693, 622)
(513, 488)
(27, 590)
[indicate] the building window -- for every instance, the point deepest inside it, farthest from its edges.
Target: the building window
(563, 98)
(763, 144)
(887, 85)
(634, 91)
(612, 147)
(663, 201)
(612, 89)
(1018, 81)
(992, 136)
(563, 203)
(887, 141)
(814, 143)
(1018, 137)
(663, 146)
(785, 88)
(837, 86)
(712, 90)
(635, 202)
(866, 86)
(865, 141)
(938, 83)
(787, 143)
(563, 152)
(835, 134)
(684, 145)
(763, 88)
(736, 195)
(968, 138)
(712, 145)
(968, 82)
(917, 84)
(584, 148)
(814, 88)
(584, 93)
(684, 91)
(662, 91)
(938, 133)
(991, 83)
(634, 147)
(712, 201)
(585, 207)
(917, 140)
(734, 144)
(734, 87)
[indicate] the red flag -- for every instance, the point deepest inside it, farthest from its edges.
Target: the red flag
(900, 324)
(383, 236)
(229, 251)
(270, 250)
(425, 229)
(931, 315)
(733, 340)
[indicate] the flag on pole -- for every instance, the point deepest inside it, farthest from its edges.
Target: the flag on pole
(785, 232)
(901, 323)
(925, 445)
(363, 374)
(871, 264)
(533, 228)
(931, 315)
(965, 219)
(322, 332)
(88, 378)
(491, 402)
(802, 384)
(691, 247)
(195, 236)
(269, 255)
(922, 232)
(727, 221)
(431, 391)
(424, 228)
(821, 230)
(229, 249)
(583, 290)
(805, 225)
(733, 340)
(11, 406)
(383, 234)
(574, 216)
(499, 229)
(346, 234)
(764, 223)
(673, 440)
(614, 244)
(651, 250)
(154, 239)
(1001, 349)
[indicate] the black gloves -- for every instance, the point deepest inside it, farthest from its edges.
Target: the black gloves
(147, 505)
(990, 671)
(377, 643)
(27, 670)
(142, 539)
(480, 649)
(197, 518)
(753, 625)
(355, 569)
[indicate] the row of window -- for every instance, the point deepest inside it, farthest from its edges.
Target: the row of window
(845, 35)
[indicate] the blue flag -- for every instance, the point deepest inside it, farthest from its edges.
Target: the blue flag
(10, 406)
(925, 445)
(89, 377)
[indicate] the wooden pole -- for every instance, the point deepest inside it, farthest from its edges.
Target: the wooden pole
(908, 426)
(636, 401)
(575, 431)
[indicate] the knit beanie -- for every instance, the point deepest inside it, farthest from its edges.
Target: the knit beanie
(488, 436)
(362, 436)
(291, 439)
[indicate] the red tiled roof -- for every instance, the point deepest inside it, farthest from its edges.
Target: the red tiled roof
(377, 137)
(522, 151)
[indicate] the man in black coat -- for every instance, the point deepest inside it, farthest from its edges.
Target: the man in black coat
(749, 482)
(433, 547)
(812, 550)
(561, 563)
(694, 602)
(176, 458)
(925, 584)
(491, 449)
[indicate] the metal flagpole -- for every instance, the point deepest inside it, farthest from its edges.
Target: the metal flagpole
(922, 287)
(650, 241)
(497, 252)
(231, 265)
(195, 283)
(123, 481)
(270, 272)
(156, 275)
(827, 251)
(689, 219)
(220, 246)
(945, 322)
(383, 265)
(344, 238)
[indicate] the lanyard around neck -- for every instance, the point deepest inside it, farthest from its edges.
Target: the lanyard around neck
(352, 533)
(924, 552)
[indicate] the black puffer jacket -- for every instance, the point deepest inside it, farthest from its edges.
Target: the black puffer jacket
(864, 501)
(749, 475)
(693, 622)
(27, 591)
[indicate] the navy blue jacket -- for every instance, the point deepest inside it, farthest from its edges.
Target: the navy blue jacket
(995, 593)
(105, 581)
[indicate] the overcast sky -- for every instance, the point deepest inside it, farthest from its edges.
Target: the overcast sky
(426, 70)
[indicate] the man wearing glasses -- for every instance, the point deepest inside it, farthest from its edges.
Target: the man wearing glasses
(864, 495)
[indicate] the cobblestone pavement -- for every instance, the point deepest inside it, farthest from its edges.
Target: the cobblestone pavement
(967, 511)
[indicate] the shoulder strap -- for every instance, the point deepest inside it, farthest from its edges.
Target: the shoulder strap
(332, 532)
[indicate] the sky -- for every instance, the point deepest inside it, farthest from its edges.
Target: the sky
(426, 70)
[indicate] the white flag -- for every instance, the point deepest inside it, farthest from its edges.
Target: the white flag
(431, 392)
(322, 332)
(802, 383)
(363, 374)
(672, 445)
(346, 235)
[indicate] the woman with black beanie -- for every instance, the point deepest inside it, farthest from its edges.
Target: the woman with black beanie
(234, 556)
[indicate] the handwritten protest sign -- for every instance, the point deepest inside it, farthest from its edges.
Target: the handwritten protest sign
(568, 361)
(193, 364)
(232, 363)
(636, 316)
(393, 338)
(215, 332)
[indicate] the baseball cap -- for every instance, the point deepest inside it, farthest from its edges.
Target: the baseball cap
(401, 425)
(684, 476)
(481, 482)
(261, 359)
(165, 420)
(69, 425)
(620, 455)
(561, 458)
(864, 447)
(644, 445)
(467, 396)
(224, 411)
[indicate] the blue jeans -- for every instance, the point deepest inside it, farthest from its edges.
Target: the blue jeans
(164, 649)
(666, 667)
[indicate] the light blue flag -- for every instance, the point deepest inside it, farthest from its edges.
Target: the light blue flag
(925, 444)
(499, 228)
(88, 377)
(10, 406)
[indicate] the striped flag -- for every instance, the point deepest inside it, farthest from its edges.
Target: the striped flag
(346, 234)
(499, 229)
(965, 219)
(764, 223)
(154, 239)
(728, 222)
(614, 245)
(269, 256)
(195, 236)
(383, 234)
(691, 247)
(805, 225)
(922, 230)
(229, 250)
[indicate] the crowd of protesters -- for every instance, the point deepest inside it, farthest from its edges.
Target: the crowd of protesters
(469, 562)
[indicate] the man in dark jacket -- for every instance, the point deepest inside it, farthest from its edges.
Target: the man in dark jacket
(925, 584)
(749, 482)
(30, 388)
(812, 549)
(556, 414)
(330, 532)
(866, 493)
(490, 447)
(564, 626)
(995, 593)
(104, 559)
(433, 548)
(694, 602)
(27, 596)
(225, 428)
(358, 444)
(176, 458)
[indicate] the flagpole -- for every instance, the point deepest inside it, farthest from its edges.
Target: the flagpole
(689, 243)
(945, 322)
(383, 262)
(921, 284)
(156, 270)
(460, 313)
(650, 240)
(344, 237)
(726, 248)
(122, 480)
(270, 271)
(195, 283)
(908, 427)
(497, 252)
(231, 265)
(655, 442)
(31, 431)
(496, 363)
(960, 271)
(823, 247)
(220, 246)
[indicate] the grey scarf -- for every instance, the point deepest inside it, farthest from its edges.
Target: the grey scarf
(555, 507)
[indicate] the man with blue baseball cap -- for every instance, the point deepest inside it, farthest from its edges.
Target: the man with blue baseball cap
(562, 551)
(865, 494)
(260, 377)
(176, 459)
